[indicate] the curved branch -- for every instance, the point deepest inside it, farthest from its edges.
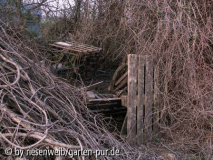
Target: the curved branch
(18, 72)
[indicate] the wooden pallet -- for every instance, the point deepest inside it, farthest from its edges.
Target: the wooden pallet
(107, 104)
(142, 110)
(76, 47)
(82, 58)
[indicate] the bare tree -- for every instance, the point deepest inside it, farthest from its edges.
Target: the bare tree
(78, 4)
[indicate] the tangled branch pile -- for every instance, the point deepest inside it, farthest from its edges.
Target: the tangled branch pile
(37, 110)
(178, 35)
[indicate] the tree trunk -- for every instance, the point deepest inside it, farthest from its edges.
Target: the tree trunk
(86, 10)
(78, 10)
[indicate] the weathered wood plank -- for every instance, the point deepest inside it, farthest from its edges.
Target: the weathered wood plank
(122, 84)
(116, 75)
(156, 109)
(104, 100)
(132, 98)
(140, 107)
(121, 79)
(148, 98)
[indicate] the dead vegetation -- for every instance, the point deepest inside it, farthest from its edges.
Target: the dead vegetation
(38, 110)
(177, 35)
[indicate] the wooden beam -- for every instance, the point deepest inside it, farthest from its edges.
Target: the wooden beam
(132, 98)
(141, 100)
(148, 98)
(156, 109)
(104, 100)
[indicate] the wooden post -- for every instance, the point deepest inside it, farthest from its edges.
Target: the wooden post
(148, 98)
(132, 99)
(141, 96)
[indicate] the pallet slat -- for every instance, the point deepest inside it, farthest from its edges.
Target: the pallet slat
(148, 98)
(121, 79)
(156, 110)
(132, 98)
(140, 108)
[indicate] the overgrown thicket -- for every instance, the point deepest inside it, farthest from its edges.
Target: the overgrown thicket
(38, 110)
(178, 36)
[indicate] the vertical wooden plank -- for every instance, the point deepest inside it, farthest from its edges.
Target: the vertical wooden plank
(148, 98)
(156, 107)
(140, 107)
(132, 99)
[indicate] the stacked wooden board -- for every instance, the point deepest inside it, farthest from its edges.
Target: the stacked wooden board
(107, 104)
